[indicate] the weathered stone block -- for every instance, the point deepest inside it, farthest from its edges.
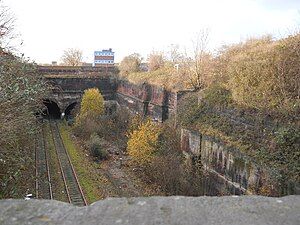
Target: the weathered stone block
(245, 210)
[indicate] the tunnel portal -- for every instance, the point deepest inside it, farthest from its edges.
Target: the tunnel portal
(52, 110)
(69, 112)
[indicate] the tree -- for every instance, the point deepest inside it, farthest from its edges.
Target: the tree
(130, 64)
(72, 57)
(201, 67)
(174, 54)
(22, 89)
(21, 92)
(6, 26)
(92, 103)
(155, 61)
(198, 68)
(142, 142)
(89, 118)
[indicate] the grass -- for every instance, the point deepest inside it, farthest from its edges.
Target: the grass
(166, 77)
(90, 179)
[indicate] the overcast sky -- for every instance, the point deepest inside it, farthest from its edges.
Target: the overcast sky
(47, 27)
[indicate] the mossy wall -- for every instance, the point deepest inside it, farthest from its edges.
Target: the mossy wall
(236, 173)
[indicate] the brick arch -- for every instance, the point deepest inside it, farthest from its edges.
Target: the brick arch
(53, 100)
(52, 107)
(69, 107)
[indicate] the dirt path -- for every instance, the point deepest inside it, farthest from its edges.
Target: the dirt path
(122, 176)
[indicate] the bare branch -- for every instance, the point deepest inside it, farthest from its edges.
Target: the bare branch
(72, 57)
(6, 26)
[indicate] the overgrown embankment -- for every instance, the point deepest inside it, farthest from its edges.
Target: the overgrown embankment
(247, 96)
(21, 91)
(253, 105)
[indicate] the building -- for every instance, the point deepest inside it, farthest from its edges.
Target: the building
(104, 58)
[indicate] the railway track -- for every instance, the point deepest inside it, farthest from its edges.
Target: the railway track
(72, 186)
(43, 179)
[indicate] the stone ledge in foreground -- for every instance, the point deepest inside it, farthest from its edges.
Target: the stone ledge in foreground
(156, 210)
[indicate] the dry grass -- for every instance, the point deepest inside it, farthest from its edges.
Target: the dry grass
(165, 76)
(264, 74)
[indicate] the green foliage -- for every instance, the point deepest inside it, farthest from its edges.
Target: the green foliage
(85, 127)
(95, 146)
(110, 127)
(187, 109)
(21, 92)
(283, 156)
(286, 153)
(217, 96)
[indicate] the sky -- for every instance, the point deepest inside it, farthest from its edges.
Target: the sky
(48, 27)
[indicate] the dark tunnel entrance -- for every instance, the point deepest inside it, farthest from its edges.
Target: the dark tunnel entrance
(69, 112)
(52, 109)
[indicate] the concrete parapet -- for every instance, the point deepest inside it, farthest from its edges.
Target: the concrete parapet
(243, 210)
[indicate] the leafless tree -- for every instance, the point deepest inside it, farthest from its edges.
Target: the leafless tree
(174, 54)
(72, 57)
(6, 25)
(198, 67)
(156, 60)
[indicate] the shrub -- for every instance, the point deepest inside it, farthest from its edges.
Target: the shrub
(130, 64)
(92, 104)
(135, 122)
(91, 108)
(286, 153)
(84, 127)
(142, 143)
(114, 124)
(155, 61)
(187, 109)
(95, 147)
(217, 96)
(169, 169)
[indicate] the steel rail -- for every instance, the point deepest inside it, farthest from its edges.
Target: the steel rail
(60, 165)
(71, 182)
(42, 170)
(74, 172)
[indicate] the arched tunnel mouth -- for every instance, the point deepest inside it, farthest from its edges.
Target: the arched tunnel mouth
(52, 110)
(70, 111)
